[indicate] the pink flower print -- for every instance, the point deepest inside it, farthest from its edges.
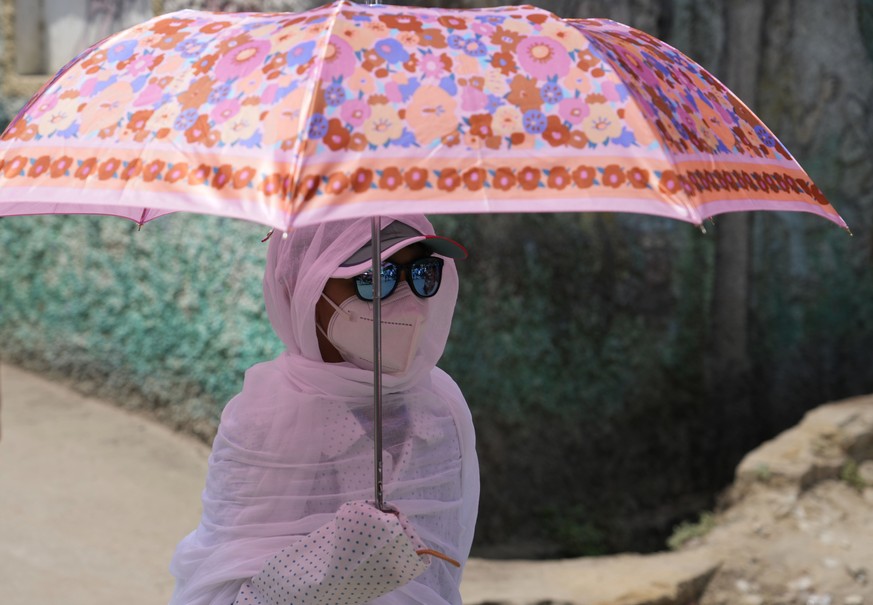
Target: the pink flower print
(725, 112)
(268, 97)
(684, 115)
(611, 91)
(483, 29)
(225, 110)
(355, 112)
(432, 66)
(241, 60)
(87, 89)
(150, 95)
(45, 103)
(339, 59)
(543, 58)
(140, 65)
(643, 72)
(573, 110)
(473, 99)
(392, 91)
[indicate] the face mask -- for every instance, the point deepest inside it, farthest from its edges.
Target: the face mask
(351, 330)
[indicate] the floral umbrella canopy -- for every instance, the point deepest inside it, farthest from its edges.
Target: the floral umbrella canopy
(351, 110)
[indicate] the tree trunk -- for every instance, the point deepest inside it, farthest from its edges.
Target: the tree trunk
(729, 371)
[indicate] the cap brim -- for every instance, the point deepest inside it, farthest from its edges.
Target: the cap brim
(437, 244)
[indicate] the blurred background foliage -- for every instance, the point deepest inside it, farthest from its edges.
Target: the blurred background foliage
(584, 343)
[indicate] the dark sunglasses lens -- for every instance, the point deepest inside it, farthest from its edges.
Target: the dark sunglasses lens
(425, 276)
(389, 278)
(364, 283)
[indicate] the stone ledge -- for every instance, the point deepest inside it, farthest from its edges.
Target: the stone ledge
(661, 579)
(815, 450)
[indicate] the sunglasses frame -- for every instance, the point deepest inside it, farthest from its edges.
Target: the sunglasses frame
(406, 269)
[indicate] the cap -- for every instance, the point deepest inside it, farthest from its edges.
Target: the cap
(395, 236)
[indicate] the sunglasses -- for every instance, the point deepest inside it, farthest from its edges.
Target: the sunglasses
(423, 276)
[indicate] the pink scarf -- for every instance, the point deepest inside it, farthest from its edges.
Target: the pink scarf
(296, 444)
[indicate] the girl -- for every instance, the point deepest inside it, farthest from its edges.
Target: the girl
(296, 443)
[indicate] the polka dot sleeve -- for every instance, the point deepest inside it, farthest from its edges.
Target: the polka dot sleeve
(362, 554)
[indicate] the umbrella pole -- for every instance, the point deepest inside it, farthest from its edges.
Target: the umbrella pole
(376, 239)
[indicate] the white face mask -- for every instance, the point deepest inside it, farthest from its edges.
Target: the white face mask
(351, 330)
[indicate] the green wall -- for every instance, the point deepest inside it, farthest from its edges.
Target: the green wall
(167, 318)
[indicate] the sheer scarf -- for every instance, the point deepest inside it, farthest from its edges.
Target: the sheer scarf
(296, 443)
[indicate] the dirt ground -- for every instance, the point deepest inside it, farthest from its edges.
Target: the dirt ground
(797, 524)
(93, 499)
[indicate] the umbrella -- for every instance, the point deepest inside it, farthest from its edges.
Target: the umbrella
(349, 110)
(353, 110)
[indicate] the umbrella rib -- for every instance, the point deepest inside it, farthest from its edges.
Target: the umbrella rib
(693, 213)
(299, 157)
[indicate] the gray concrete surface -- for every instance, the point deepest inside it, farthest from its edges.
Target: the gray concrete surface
(93, 499)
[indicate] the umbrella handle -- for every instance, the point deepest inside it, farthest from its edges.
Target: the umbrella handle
(438, 555)
(376, 243)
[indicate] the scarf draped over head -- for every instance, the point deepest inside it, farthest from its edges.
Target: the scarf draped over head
(296, 443)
